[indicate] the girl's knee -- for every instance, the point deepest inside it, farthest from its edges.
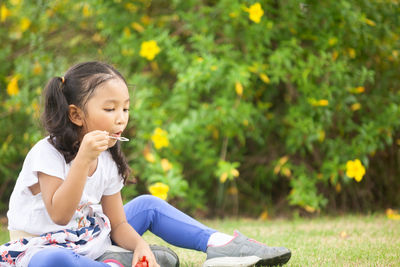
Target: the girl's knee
(52, 257)
(148, 201)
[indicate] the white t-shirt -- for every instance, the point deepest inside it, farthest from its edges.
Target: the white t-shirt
(27, 212)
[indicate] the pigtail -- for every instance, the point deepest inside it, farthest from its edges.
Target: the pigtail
(63, 133)
(56, 106)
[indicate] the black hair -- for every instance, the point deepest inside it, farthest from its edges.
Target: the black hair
(76, 87)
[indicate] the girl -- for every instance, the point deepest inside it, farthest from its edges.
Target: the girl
(66, 206)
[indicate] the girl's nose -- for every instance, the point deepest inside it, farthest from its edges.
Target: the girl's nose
(121, 118)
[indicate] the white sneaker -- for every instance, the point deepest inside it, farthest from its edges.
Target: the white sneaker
(241, 246)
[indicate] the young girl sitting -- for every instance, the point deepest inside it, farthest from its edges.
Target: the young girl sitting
(66, 207)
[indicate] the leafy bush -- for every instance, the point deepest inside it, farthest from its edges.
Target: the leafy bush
(235, 103)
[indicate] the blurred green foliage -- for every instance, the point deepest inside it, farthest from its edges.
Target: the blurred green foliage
(236, 104)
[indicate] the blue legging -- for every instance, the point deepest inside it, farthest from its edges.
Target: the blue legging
(144, 213)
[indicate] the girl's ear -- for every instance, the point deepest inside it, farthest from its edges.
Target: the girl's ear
(76, 115)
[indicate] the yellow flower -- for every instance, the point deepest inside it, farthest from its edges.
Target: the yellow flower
(24, 24)
(235, 172)
(264, 78)
(149, 49)
(97, 38)
(343, 235)
(286, 172)
(280, 163)
(160, 138)
(332, 41)
(131, 7)
(309, 209)
(166, 165)
(223, 177)
(264, 215)
(355, 106)
(4, 13)
(320, 103)
(145, 20)
(360, 90)
(149, 157)
(86, 10)
(239, 88)
(37, 68)
(137, 27)
(352, 52)
(15, 2)
(127, 32)
(233, 15)
(159, 190)
(255, 12)
(12, 86)
(355, 169)
(392, 214)
(323, 102)
(370, 22)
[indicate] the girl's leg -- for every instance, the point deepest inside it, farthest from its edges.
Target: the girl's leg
(151, 213)
(61, 257)
(147, 212)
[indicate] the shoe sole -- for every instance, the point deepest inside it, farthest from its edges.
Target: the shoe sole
(232, 261)
(280, 260)
(247, 261)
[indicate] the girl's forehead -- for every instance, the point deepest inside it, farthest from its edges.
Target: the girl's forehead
(114, 88)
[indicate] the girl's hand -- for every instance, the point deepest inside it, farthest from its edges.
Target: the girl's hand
(143, 249)
(142, 262)
(93, 143)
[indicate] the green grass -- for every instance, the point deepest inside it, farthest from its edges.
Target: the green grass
(336, 241)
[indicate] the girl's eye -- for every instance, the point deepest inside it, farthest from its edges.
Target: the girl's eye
(109, 109)
(126, 109)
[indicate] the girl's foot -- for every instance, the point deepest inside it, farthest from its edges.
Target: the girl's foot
(242, 247)
(165, 257)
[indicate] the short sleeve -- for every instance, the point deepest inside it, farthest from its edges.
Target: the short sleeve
(114, 187)
(44, 158)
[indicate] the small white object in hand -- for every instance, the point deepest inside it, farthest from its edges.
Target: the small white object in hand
(119, 138)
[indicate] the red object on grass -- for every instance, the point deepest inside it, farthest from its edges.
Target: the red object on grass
(142, 263)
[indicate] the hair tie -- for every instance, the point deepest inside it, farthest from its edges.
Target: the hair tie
(62, 79)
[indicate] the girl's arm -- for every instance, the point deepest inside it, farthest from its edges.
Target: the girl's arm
(61, 198)
(122, 232)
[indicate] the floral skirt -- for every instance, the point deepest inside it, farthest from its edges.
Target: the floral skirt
(92, 240)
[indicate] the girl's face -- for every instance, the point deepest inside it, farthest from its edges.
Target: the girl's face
(108, 109)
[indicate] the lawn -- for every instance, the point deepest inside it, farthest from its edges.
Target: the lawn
(327, 241)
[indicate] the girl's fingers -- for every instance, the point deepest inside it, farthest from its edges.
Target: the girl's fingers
(135, 260)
